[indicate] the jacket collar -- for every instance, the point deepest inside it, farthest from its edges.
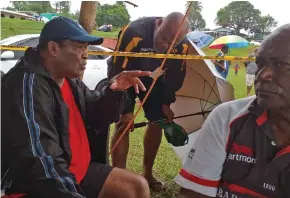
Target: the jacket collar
(32, 62)
(254, 108)
(262, 120)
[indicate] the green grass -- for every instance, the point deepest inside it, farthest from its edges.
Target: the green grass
(167, 163)
(11, 27)
(113, 34)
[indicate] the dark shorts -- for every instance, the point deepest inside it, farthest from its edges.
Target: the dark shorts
(153, 105)
(94, 179)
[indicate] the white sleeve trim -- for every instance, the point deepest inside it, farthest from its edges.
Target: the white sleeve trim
(206, 158)
(204, 190)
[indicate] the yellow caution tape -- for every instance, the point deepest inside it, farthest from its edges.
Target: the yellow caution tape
(13, 47)
(147, 55)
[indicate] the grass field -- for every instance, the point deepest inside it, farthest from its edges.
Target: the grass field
(11, 27)
(167, 164)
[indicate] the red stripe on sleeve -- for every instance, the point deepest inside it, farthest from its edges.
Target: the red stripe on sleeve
(200, 181)
(286, 150)
(14, 196)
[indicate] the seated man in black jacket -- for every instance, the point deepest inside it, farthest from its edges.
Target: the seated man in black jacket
(48, 115)
(149, 34)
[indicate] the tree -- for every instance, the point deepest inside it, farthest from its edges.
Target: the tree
(196, 6)
(121, 3)
(88, 15)
(222, 18)
(197, 23)
(76, 15)
(40, 6)
(36, 6)
(62, 6)
(195, 18)
(10, 8)
(238, 15)
(264, 25)
(65, 6)
(20, 5)
(116, 14)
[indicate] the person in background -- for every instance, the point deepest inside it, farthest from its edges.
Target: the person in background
(243, 148)
(251, 68)
(155, 35)
(222, 66)
(237, 69)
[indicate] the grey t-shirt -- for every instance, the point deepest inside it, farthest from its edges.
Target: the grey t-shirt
(251, 66)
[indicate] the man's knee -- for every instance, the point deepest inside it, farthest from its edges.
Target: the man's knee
(154, 127)
(141, 186)
(119, 129)
(122, 183)
(138, 186)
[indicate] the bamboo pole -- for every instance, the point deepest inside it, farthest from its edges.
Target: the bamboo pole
(87, 18)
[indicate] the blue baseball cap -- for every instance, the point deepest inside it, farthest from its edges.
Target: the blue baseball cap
(62, 28)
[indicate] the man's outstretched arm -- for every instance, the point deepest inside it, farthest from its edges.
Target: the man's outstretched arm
(103, 106)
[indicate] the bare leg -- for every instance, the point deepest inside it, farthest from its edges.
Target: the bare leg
(152, 140)
(119, 156)
(124, 184)
(249, 90)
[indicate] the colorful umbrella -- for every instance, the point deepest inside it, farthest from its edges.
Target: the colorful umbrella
(200, 39)
(232, 41)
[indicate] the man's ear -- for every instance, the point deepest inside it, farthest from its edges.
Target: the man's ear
(158, 22)
(53, 48)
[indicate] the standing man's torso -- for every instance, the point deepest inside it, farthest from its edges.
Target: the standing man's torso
(141, 31)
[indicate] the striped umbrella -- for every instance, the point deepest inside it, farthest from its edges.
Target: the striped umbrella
(232, 41)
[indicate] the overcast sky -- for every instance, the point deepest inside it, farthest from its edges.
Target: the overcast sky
(279, 9)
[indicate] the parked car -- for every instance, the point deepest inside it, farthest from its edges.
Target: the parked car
(94, 75)
(253, 42)
(106, 28)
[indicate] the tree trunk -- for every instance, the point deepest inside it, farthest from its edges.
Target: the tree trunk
(87, 17)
